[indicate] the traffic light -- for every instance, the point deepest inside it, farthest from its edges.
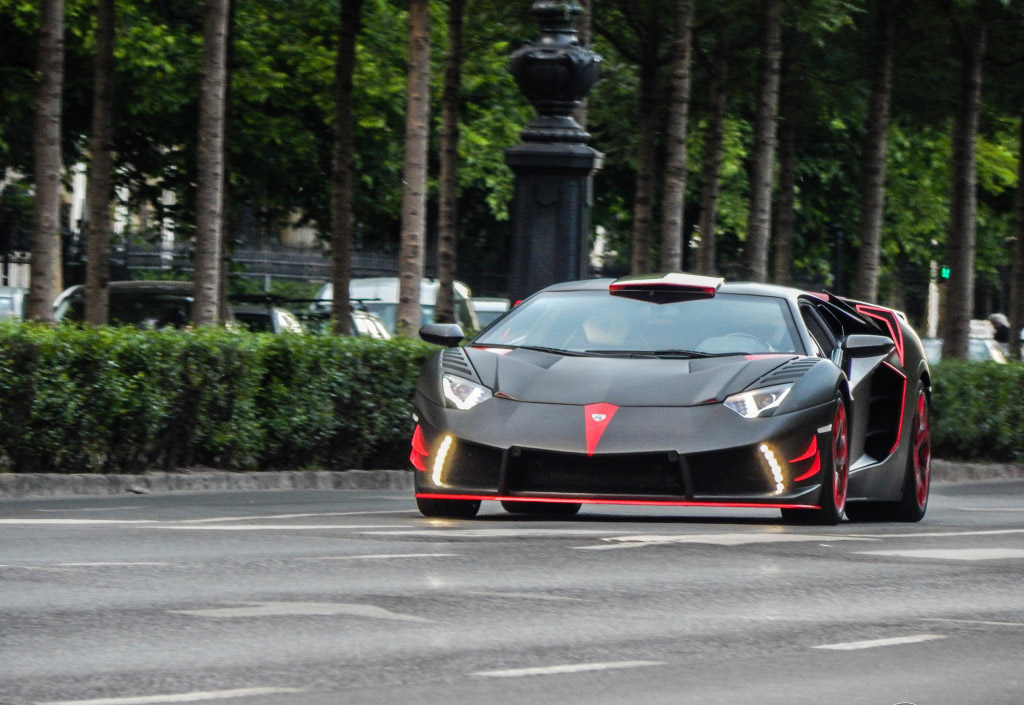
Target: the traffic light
(944, 272)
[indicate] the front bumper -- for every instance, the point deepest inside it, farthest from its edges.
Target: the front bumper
(703, 455)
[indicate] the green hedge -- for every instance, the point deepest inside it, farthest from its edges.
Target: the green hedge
(977, 412)
(125, 400)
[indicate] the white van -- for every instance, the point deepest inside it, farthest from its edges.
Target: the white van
(379, 295)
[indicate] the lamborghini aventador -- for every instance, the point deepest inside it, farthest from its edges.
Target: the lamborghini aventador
(680, 390)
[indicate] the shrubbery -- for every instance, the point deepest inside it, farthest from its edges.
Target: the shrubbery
(125, 400)
(977, 412)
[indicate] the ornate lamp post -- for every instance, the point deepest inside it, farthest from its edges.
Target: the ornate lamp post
(553, 165)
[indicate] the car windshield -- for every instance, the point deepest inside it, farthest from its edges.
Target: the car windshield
(598, 323)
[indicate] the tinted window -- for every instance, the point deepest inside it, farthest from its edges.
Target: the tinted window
(595, 320)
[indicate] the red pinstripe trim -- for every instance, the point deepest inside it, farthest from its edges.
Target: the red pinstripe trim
(647, 502)
(891, 322)
(903, 407)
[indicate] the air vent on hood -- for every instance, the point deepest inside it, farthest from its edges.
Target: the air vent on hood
(454, 360)
(789, 372)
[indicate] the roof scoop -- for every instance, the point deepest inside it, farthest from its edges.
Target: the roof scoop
(666, 288)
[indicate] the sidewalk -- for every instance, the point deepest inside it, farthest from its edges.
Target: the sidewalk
(206, 480)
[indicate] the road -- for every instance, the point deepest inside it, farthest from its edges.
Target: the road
(311, 598)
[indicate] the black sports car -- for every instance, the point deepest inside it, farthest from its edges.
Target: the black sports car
(677, 389)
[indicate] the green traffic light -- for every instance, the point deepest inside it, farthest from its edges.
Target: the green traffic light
(944, 272)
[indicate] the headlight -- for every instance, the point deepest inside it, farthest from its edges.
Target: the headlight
(463, 394)
(752, 404)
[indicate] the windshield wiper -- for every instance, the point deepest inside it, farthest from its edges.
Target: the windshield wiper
(620, 353)
(682, 353)
(553, 351)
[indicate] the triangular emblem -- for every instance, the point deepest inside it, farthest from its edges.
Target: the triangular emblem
(598, 417)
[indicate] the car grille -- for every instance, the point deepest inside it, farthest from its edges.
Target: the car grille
(728, 472)
(653, 474)
(473, 466)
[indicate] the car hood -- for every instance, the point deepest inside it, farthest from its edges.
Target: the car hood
(539, 377)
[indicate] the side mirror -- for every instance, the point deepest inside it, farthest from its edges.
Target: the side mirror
(858, 345)
(447, 334)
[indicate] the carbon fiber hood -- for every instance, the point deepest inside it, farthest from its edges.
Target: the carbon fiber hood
(546, 378)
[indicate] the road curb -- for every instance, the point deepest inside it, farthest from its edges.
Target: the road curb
(18, 485)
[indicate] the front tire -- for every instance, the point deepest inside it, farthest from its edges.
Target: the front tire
(835, 483)
(448, 508)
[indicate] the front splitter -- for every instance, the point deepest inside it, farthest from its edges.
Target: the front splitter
(617, 500)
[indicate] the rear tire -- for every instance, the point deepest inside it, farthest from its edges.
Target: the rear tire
(834, 484)
(556, 510)
(448, 508)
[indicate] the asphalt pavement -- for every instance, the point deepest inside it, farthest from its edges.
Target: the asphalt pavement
(318, 597)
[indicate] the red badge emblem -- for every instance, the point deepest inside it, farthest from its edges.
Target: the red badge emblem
(597, 418)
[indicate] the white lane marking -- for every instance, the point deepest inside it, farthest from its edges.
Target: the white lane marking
(99, 564)
(178, 697)
(72, 522)
(989, 509)
(526, 596)
(498, 533)
(568, 668)
(272, 527)
(640, 540)
(952, 554)
(874, 643)
(943, 534)
(371, 556)
(292, 609)
(90, 509)
(972, 621)
(213, 520)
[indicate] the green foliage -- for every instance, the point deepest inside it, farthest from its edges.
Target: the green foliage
(976, 411)
(124, 400)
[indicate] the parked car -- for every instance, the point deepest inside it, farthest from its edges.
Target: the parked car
(273, 313)
(266, 319)
(12, 302)
(379, 296)
(489, 309)
(978, 350)
(144, 304)
(678, 390)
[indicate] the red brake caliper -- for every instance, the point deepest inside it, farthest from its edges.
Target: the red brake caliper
(840, 458)
(922, 450)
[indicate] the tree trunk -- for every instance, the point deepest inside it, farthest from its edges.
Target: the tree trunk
(643, 204)
(959, 302)
(1017, 271)
(101, 147)
(674, 194)
(45, 274)
(785, 213)
(872, 168)
(414, 171)
(448, 232)
(342, 166)
(712, 160)
(759, 214)
(210, 175)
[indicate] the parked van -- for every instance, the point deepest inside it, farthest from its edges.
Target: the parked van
(379, 295)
